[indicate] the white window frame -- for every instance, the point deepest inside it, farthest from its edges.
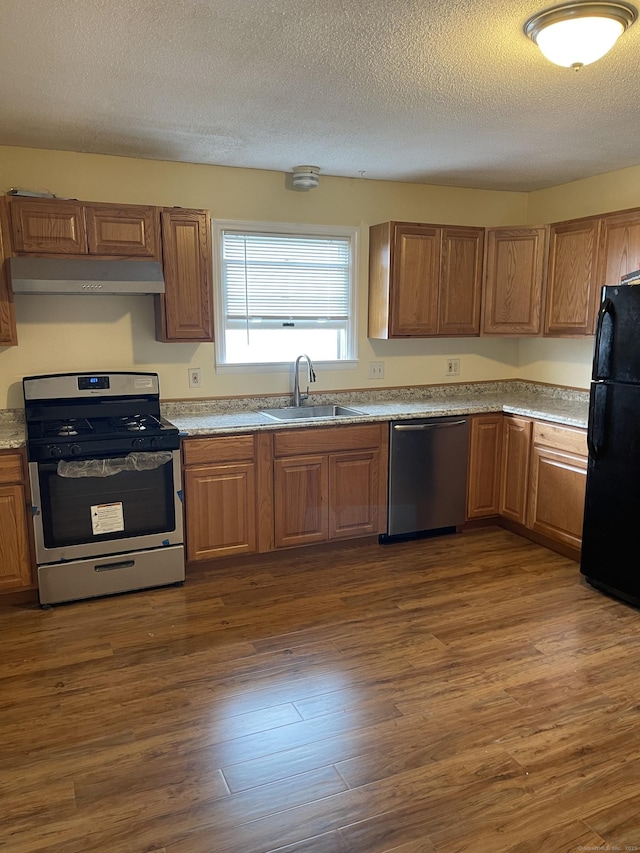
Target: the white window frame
(285, 228)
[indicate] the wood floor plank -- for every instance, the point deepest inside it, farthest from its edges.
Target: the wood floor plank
(461, 693)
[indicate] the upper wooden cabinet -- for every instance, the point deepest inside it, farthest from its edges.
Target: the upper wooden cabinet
(514, 281)
(53, 226)
(125, 231)
(584, 255)
(572, 283)
(47, 226)
(8, 336)
(185, 311)
(404, 264)
(619, 249)
(424, 280)
(179, 238)
(460, 281)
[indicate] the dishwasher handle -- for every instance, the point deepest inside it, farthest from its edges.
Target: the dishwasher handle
(415, 427)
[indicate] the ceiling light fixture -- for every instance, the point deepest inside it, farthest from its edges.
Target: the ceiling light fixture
(577, 34)
(306, 177)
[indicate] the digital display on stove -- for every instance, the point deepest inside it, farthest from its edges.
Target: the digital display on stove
(90, 383)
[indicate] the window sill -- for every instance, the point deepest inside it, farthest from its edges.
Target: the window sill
(285, 366)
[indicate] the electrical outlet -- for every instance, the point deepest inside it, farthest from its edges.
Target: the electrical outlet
(376, 370)
(195, 377)
(453, 367)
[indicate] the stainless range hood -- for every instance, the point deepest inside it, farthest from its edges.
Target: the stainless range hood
(84, 275)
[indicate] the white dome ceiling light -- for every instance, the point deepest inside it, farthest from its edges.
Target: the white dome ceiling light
(306, 177)
(577, 34)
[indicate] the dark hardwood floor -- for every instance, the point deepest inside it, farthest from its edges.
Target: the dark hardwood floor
(464, 693)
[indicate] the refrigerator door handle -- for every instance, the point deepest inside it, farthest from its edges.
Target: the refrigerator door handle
(604, 341)
(597, 419)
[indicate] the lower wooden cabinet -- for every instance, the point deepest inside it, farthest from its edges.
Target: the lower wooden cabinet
(514, 485)
(16, 570)
(543, 480)
(530, 473)
(301, 500)
(558, 481)
(259, 491)
(485, 457)
(222, 493)
(329, 483)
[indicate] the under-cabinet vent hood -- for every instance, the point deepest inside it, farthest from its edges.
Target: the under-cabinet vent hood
(84, 275)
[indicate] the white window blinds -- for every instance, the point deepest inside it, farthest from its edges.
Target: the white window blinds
(285, 279)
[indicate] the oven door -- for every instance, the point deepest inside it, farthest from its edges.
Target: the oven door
(78, 514)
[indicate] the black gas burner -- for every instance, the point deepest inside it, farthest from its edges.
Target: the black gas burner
(64, 428)
(136, 423)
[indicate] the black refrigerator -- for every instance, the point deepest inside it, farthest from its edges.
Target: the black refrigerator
(611, 531)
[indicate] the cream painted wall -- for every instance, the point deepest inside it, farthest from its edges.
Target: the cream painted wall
(600, 194)
(556, 361)
(65, 333)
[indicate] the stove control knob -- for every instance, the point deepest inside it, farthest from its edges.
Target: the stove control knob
(55, 451)
(74, 449)
(137, 443)
(155, 442)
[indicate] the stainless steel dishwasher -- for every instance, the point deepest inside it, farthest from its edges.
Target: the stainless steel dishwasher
(427, 475)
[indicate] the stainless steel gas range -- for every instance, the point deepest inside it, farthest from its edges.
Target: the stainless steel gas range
(105, 485)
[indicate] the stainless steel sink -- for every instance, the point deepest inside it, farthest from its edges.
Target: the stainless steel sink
(309, 413)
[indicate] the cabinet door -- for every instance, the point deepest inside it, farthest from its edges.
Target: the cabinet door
(514, 276)
(48, 226)
(415, 277)
(558, 483)
(460, 281)
(483, 482)
(125, 231)
(220, 510)
(572, 291)
(619, 251)
(353, 494)
(301, 487)
(516, 446)
(184, 312)
(15, 557)
(8, 335)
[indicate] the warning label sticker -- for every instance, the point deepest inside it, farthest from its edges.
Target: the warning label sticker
(107, 518)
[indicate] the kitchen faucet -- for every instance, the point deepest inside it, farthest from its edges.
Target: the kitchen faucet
(298, 398)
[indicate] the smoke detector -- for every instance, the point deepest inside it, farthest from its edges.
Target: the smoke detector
(306, 177)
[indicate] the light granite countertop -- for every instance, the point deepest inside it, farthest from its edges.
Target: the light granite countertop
(13, 432)
(212, 417)
(559, 405)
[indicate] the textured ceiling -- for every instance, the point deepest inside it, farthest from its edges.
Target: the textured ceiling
(444, 92)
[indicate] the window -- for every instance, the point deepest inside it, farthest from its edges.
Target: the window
(285, 290)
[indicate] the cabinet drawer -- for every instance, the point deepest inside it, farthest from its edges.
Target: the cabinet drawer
(225, 448)
(11, 468)
(560, 438)
(329, 439)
